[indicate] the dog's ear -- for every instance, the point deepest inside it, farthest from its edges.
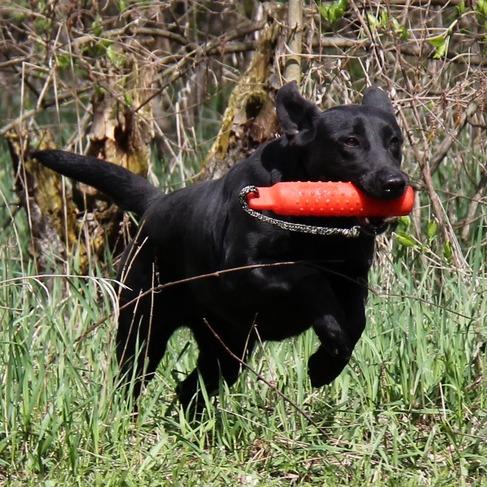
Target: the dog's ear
(296, 115)
(375, 97)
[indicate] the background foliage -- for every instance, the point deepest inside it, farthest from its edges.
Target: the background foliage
(154, 78)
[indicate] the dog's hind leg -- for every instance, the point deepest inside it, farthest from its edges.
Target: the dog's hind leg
(219, 357)
(143, 331)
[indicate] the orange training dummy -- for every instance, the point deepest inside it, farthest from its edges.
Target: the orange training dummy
(327, 199)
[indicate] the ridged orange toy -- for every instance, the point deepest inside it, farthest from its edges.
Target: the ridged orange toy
(334, 199)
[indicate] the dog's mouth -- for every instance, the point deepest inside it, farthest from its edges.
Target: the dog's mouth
(375, 226)
(386, 189)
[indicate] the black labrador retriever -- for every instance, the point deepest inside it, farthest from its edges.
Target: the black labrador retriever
(202, 229)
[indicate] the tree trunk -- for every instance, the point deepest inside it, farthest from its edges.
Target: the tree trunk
(250, 117)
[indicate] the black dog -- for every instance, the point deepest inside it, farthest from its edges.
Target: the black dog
(202, 229)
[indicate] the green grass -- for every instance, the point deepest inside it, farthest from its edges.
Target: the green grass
(410, 409)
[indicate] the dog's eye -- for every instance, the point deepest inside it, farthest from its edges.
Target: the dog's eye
(395, 141)
(352, 142)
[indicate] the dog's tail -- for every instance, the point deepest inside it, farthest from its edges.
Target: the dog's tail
(129, 191)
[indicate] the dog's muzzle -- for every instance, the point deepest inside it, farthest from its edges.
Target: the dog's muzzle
(384, 184)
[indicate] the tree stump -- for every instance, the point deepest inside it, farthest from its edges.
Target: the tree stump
(250, 117)
(74, 219)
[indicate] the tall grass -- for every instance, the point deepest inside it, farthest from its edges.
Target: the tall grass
(409, 410)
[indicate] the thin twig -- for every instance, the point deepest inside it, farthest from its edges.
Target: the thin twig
(450, 139)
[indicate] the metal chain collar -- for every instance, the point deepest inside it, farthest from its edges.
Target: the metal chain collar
(352, 232)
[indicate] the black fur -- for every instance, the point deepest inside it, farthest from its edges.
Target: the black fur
(202, 229)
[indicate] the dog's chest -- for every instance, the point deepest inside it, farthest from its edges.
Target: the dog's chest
(287, 246)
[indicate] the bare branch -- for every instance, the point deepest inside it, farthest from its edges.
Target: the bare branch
(450, 139)
(292, 70)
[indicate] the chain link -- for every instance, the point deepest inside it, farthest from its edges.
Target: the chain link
(352, 232)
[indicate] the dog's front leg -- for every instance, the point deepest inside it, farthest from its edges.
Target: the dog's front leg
(324, 368)
(296, 294)
(336, 347)
(141, 337)
(338, 330)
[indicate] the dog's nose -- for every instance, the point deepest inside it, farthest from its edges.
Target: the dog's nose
(394, 186)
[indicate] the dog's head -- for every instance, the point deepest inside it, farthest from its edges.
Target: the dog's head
(357, 143)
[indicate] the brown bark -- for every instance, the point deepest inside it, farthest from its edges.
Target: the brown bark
(292, 71)
(51, 213)
(250, 117)
(120, 135)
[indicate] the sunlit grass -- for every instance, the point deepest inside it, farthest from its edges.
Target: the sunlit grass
(411, 407)
(409, 410)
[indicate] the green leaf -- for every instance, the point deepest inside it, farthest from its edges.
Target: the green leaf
(405, 239)
(403, 223)
(99, 91)
(481, 9)
(432, 229)
(97, 26)
(373, 21)
(440, 43)
(63, 61)
(115, 56)
(42, 25)
(448, 251)
(461, 8)
(379, 22)
(129, 101)
(122, 6)
(400, 29)
(383, 18)
(332, 12)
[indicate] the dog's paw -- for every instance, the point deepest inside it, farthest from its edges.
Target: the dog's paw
(323, 368)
